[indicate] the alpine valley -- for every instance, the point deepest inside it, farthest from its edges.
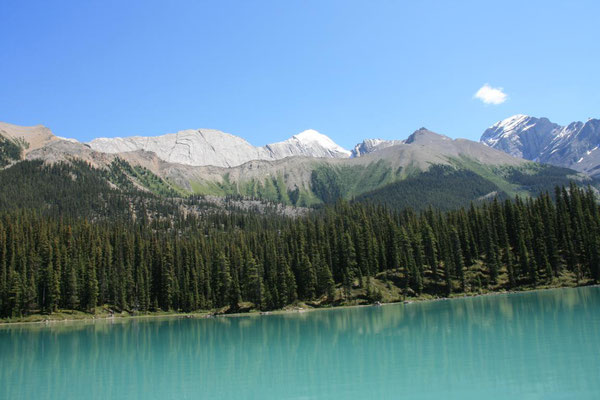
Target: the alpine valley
(306, 170)
(201, 221)
(256, 200)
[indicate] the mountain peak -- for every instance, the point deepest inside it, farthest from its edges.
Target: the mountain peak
(513, 123)
(423, 135)
(539, 139)
(212, 147)
(370, 145)
(311, 134)
(36, 136)
(308, 143)
(521, 135)
(313, 137)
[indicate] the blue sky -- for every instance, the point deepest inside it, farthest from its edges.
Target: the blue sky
(265, 70)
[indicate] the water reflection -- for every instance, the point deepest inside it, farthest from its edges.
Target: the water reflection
(494, 346)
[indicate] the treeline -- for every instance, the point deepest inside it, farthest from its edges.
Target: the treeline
(442, 186)
(10, 150)
(190, 263)
(76, 189)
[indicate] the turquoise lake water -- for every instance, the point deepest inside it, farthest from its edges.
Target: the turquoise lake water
(537, 345)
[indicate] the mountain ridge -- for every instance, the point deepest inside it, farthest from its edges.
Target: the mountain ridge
(307, 180)
(202, 147)
(574, 145)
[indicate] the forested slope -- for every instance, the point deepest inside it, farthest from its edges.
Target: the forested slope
(51, 262)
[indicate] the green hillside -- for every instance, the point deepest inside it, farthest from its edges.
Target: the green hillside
(86, 190)
(451, 187)
(446, 186)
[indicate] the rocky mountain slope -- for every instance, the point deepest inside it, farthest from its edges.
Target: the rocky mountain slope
(432, 165)
(573, 146)
(31, 137)
(212, 147)
(370, 145)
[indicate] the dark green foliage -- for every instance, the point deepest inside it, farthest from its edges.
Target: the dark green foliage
(76, 237)
(124, 174)
(74, 189)
(541, 178)
(10, 151)
(327, 185)
(294, 195)
(442, 187)
(50, 261)
(330, 183)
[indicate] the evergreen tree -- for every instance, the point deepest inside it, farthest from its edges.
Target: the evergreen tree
(215, 260)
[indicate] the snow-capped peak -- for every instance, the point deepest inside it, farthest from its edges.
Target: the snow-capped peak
(521, 135)
(511, 123)
(311, 136)
(515, 119)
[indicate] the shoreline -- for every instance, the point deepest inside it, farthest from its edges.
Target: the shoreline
(91, 318)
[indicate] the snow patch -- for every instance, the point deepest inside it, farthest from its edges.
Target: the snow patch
(311, 136)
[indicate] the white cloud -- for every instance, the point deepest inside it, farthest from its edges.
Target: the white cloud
(491, 95)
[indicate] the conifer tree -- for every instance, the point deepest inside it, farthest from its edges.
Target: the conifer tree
(222, 259)
(254, 285)
(459, 264)
(430, 248)
(91, 287)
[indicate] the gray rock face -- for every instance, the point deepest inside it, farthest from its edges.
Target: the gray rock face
(426, 148)
(309, 143)
(211, 147)
(521, 135)
(419, 151)
(576, 147)
(190, 147)
(371, 145)
(573, 146)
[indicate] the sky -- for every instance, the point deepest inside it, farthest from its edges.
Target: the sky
(266, 70)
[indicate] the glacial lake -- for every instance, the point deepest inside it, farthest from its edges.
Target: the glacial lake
(536, 345)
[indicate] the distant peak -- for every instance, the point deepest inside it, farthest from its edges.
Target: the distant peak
(373, 142)
(423, 133)
(371, 145)
(512, 121)
(311, 136)
(519, 116)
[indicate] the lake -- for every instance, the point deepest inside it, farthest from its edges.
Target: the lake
(536, 345)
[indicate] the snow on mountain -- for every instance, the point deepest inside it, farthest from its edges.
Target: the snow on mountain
(573, 146)
(213, 147)
(309, 143)
(370, 145)
(576, 147)
(521, 135)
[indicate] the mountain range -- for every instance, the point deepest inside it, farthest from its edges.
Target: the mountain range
(573, 146)
(537, 139)
(220, 149)
(309, 168)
